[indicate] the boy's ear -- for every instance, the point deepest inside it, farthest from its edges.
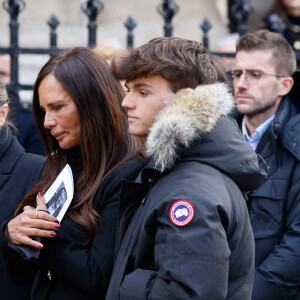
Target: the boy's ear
(184, 91)
(285, 86)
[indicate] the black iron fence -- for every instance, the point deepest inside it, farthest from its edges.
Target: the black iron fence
(238, 13)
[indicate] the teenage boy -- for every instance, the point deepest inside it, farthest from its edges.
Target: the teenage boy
(184, 230)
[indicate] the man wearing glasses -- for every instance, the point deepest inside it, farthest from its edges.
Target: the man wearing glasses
(262, 80)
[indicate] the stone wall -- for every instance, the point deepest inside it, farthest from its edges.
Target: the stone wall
(72, 31)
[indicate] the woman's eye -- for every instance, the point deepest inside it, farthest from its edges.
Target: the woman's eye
(56, 108)
(143, 94)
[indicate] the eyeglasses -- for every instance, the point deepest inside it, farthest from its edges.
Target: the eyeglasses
(251, 75)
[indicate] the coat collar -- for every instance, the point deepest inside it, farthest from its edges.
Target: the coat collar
(289, 133)
(5, 139)
(9, 159)
(286, 110)
(185, 119)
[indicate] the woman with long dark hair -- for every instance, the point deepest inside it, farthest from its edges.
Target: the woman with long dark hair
(77, 108)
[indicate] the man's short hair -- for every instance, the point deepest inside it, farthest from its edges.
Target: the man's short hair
(183, 63)
(283, 55)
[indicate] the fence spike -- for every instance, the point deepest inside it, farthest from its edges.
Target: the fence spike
(130, 24)
(205, 26)
(14, 7)
(53, 22)
(92, 8)
(168, 9)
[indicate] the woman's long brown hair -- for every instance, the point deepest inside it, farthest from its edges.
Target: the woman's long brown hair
(105, 141)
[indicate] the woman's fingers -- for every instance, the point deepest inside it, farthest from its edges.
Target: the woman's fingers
(28, 241)
(32, 223)
(28, 208)
(41, 220)
(41, 209)
(35, 232)
(40, 201)
(38, 214)
(33, 243)
(43, 215)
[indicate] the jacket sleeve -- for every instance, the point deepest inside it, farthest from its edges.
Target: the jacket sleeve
(278, 276)
(18, 269)
(26, 172)
(192, 261)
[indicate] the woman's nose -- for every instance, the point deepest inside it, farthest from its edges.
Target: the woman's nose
(49, 121)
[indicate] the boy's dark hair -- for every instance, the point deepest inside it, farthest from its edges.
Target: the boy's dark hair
(183, 63)
(283, 56)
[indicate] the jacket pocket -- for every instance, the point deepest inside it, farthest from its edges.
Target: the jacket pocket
(267, 216)
(267, 208)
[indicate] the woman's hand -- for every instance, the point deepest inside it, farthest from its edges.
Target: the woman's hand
(32, 223)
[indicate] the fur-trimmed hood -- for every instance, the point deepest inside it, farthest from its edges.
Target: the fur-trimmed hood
(192, 127)
(181, 121)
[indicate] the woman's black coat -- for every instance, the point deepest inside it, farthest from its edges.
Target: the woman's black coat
(18, 171)
(67, 268)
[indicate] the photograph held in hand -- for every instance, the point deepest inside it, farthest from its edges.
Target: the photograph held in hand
(60, 194)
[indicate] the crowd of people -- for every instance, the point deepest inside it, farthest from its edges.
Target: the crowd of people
(186, 181)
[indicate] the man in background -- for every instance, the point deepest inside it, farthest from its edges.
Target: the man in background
(262, 78)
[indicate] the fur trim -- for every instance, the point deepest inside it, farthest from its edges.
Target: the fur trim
(186, 118)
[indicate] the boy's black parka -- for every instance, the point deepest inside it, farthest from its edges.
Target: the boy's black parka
(199, 156)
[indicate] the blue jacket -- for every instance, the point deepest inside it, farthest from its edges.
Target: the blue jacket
(274, 209)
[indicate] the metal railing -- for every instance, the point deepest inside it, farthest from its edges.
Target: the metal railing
(238, 12)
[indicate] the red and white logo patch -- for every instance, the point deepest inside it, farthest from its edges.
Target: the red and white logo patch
(182, 212)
